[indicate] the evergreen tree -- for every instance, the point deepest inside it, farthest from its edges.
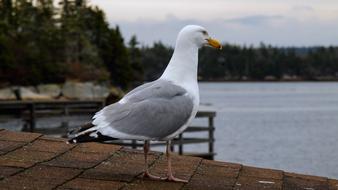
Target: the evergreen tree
(155, 59)
(118, 63)
(135, 60)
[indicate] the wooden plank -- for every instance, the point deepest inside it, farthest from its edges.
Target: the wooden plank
(161, 143)
(193, 140)
(198, 129)
(205, 114)
(60, 112)
(203, 155)
(49, 107)
(20, 104)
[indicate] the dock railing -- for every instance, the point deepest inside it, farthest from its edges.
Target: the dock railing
(31, 111)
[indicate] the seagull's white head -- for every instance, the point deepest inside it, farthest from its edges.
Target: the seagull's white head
(182, 68)
(197, 35)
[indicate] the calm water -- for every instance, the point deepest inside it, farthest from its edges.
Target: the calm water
(289, 126)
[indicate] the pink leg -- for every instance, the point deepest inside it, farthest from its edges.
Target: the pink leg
(146, 171)
(170, 176)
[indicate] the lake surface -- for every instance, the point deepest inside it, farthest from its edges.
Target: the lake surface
(289, 126)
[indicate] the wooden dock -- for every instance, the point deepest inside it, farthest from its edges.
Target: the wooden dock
(31, 111)
(32, 161)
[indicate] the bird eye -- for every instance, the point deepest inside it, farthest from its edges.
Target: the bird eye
(204, 32)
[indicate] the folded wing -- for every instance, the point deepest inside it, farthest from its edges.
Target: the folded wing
(151, 111)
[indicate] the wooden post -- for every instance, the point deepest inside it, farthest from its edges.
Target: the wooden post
(65, 122)
(134, 144)
(180, 145)
(211, 137)
(31, 117)
(172, 148)
(65, 110)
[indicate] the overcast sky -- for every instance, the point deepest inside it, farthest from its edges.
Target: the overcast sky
(249, 22)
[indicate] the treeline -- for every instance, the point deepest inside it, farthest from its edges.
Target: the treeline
(237, 63)
(41, 42)
(269, 63)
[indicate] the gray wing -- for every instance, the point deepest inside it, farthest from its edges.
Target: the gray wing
(153, 110)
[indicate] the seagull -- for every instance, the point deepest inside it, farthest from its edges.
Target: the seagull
(159, 110)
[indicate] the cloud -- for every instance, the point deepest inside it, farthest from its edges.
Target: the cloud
(250, 30)
(255, 19)
(303, 8)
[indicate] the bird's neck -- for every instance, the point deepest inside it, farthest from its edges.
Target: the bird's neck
(183, 64)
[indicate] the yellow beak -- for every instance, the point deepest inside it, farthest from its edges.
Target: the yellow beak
(214, 43)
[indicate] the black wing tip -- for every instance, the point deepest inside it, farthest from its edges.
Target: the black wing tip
(87, 137)
(72, 141)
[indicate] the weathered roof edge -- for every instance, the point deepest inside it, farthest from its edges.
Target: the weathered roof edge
(34, 161)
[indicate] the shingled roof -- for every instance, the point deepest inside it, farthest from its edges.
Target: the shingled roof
(34, 161)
